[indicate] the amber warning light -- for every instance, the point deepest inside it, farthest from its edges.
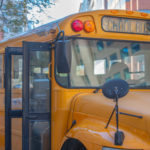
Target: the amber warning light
(78, 25)
(89, 26)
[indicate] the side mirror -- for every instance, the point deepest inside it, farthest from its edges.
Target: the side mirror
(115, 89)
(63, 56)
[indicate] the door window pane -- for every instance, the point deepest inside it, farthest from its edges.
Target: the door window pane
(39, 82)
(39, 135)
(16, 82)
(16, 71)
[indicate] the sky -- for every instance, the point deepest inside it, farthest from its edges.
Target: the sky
(61, 9)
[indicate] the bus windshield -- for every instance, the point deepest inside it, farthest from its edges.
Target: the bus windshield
(95, 61)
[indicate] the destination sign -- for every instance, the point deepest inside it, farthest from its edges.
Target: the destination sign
(126, 25)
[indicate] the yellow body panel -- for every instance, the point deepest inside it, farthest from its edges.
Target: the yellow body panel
(92, 130)
(91, 111)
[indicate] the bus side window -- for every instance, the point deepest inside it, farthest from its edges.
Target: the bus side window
(1, 65)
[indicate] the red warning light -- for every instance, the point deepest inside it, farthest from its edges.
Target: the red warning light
(77, 25)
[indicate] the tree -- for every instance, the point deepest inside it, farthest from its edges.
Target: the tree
(14, 14)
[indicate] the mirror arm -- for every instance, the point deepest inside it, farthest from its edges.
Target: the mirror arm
(122, 113)
(110, 118)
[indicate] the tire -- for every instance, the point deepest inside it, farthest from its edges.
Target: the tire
(73, 144)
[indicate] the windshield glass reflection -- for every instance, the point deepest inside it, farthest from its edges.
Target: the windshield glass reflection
(96, 61)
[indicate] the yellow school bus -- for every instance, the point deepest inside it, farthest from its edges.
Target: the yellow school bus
(53, 81)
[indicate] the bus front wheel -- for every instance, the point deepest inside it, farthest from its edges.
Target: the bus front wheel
(73, 144)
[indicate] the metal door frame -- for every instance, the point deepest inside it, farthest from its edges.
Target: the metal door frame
(9, 114)
(27, 47)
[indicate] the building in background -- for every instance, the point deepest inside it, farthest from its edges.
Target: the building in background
(133, 5)
(102, 4)
(116, 4)
(138, 5)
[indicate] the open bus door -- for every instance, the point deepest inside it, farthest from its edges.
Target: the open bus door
(13, 98)
(27, 97)
(36, 96)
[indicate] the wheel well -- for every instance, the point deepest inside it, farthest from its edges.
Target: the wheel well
(73, 144)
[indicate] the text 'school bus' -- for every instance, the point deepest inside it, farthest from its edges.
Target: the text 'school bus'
(80, 83)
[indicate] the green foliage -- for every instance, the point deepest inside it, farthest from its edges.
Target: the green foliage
(13, 14)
